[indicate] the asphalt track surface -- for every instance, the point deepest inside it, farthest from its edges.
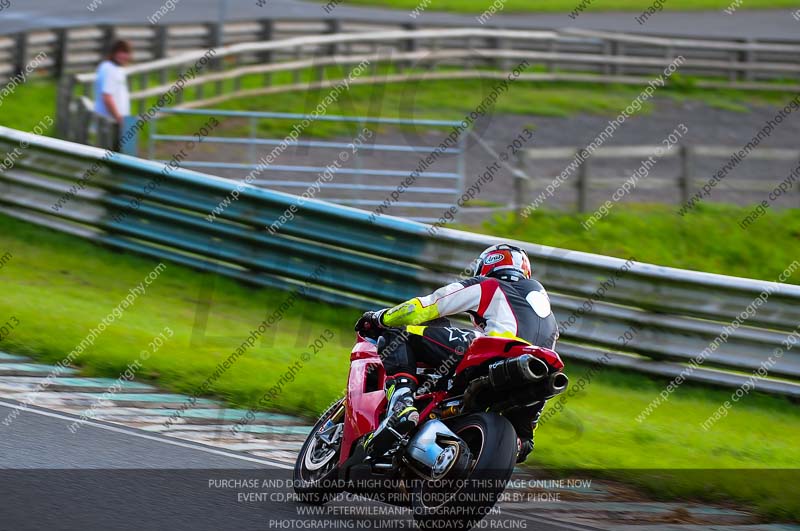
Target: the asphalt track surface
(23, 15)
(109, 477)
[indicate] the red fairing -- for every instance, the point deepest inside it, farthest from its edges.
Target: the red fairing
(550, 357)
(363, 408)
(363, 349)
(486, 348)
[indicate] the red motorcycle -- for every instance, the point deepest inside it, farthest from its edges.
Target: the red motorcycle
(452, 468)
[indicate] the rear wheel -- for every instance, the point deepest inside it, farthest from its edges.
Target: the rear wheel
(462, 501)
(315, 471)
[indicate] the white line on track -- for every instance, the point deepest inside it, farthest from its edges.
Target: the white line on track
(142, 435)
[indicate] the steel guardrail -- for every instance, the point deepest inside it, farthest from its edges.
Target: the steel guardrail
(374, 262)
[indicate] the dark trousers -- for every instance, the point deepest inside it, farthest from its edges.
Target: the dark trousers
(441, 348)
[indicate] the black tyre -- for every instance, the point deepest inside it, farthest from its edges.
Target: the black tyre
(316, 468)
(462, 501)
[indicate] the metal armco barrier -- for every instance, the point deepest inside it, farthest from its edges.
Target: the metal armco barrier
(142, 206)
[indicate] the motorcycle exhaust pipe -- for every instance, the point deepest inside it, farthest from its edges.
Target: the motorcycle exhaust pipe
(517, 371)
(535, 369)
(557, 382)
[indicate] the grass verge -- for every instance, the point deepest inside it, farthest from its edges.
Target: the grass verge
(59, 287)
(706, 239)
(670, 454)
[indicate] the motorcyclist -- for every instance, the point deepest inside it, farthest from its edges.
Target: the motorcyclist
(501, 299)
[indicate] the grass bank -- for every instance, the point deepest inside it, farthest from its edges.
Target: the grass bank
(59, 287)
(670, 454)
(706, 239)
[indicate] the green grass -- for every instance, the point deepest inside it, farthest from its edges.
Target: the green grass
(29, 104)
(59, 287)
(523, 6)
(597, 430)
(706, 239)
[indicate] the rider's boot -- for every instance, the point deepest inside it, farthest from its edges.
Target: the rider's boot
(525, 422)
(525, 447)
(401, 416)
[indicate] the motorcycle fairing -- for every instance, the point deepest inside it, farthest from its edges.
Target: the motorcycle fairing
(364, 405)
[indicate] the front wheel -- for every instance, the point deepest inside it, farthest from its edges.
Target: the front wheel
(461, 502)
(315, 471)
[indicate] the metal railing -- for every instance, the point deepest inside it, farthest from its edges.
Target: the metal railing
(143, 206)
(77, 49)
(353, 185)
(98, 130)
(425, 54)
(80, 48)
(684, 182)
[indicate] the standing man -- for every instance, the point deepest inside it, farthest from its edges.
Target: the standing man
(112, 99)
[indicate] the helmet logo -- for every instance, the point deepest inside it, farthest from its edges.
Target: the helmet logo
(493, 258)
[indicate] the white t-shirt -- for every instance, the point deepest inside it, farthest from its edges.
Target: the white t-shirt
(111, 79)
